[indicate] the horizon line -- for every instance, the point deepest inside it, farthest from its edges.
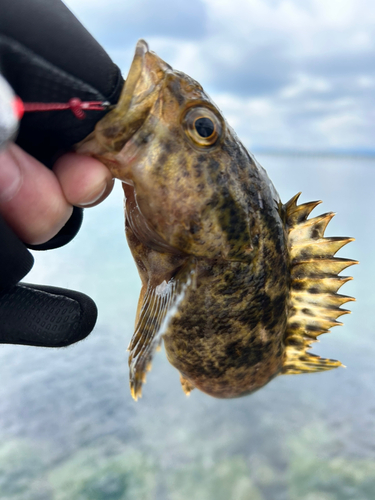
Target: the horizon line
(330, 153)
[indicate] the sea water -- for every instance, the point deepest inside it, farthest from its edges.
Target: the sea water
(69, 429)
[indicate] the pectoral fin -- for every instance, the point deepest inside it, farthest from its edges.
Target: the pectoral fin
(158, 306)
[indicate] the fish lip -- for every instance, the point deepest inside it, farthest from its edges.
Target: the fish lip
(146, 75)
(141, 48)
(135, 71)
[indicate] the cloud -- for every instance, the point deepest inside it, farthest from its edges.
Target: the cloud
(286, 73)
(118, 22)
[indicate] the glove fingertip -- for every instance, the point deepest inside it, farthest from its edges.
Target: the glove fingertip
(45, 316)
(88, 317)
(84, 324)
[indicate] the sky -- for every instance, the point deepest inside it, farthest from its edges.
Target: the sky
(287, 74)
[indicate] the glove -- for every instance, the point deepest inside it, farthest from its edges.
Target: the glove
(37, 315)
(47, 56)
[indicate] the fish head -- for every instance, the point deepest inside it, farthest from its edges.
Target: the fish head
(182, 163)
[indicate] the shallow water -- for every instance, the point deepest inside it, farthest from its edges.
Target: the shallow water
(70, 430)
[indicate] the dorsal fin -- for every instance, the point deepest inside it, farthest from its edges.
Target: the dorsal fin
(158, 303)
(314, 301)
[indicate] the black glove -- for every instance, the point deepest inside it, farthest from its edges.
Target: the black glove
(47, 56)
(37, 315)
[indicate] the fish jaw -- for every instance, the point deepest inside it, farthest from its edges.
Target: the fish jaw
(146, 74)
(112, 132)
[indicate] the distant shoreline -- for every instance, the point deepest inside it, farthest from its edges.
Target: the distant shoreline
(363, 155)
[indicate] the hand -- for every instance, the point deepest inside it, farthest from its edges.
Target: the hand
(36, 202)
(46, 55)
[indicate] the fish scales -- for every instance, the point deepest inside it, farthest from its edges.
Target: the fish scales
(236, 284)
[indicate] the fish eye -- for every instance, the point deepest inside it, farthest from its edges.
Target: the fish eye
(202, 126)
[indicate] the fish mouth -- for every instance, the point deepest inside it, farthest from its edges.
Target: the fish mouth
(145, 74)
(144, 79)
(134, 76)
(114, 139)
(117, 130)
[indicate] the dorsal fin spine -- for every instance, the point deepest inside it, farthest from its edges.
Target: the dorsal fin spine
(314, 304)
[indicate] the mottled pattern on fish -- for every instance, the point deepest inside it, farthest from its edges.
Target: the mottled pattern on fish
(237, 284)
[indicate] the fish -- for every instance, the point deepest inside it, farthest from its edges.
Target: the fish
(236, 284)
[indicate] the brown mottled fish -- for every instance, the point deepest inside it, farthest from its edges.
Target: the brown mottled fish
(237, 284)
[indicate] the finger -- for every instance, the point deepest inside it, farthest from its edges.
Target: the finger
(31, 199)
(85, 181)
(51, 317)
